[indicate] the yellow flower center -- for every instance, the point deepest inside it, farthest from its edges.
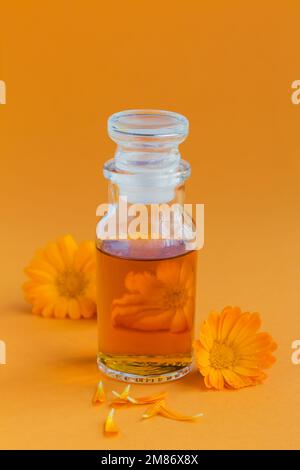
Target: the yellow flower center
(221, 356)
(175, 298)
(70, 283)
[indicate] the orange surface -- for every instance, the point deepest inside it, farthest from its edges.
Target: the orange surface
(228, 66)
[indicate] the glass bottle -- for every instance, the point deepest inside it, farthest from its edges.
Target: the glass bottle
(146, 278)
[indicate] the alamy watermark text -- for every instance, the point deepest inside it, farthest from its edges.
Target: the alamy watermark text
(2, 92)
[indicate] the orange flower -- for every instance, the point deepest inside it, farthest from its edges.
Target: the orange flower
(163, 300)
(62, 280)
(230, 352)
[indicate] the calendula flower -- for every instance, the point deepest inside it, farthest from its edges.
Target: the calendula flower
(160, 408)
(62, 280)
(110, 426)
(231, 352)
(163, 300)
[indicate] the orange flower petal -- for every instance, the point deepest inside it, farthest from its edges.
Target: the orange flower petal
(99, 395)
(235, 380)
(121, 398)
(213, 322)
(257, 342)
(54, 257)
(87, 307)
(167, 413)
(247, 371)
(84, 255)
(144, 283)
(28, 290)
(40, 263)
(259, 379)
(152, 410)
(68, 248)
(148, 399)
(37, 275)
(207, 337)
(48, 310)
(179, 322)
(266, 361)
(138, 315)
(124, 398)
(204, 370)
(206, 381)
(73, 309)
(110, 426)
(61, 308)
(216, 379)
(229, 317)
(202, 355)
(160, 408)
(237, 327)
(252, 324)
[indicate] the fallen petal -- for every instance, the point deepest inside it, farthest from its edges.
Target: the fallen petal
(167, 413)
(121, 398)
(159, 408)
(110, 426)
(148, 399)
(99, 395)
(152, 410)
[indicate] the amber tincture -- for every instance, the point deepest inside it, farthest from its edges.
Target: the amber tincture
(146, 311)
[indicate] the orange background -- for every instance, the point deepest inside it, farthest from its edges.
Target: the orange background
(228, 66)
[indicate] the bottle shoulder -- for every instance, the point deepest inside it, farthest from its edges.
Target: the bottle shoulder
(143, 249)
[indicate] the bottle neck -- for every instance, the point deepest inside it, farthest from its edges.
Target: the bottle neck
(147, 166)
(147, 158)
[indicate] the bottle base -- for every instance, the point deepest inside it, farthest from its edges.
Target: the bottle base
(144, 369)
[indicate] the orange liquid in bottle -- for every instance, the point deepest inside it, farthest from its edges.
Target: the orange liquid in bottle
(146, 307)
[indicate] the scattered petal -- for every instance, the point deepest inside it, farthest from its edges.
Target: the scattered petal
(110, 426)
(121, 398)
(99, 395)
(167, 413)
(148, 399)
(160, 408)
(152, 410)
